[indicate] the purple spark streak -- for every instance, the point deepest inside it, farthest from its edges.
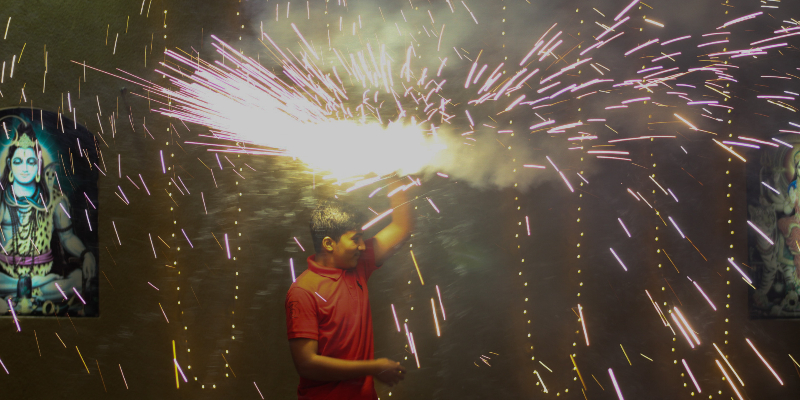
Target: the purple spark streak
(115, 231)
(675, 40)
(291, 267)
(704, 295)
(633, 3)
(617, 257)
(259, 391)
(783, 143)
(673, 195)
(614, 379)
(771, 243)
(152, 245)
(776, 97)
(88, 221)
(566, 181)
(62, 292)
(187, 238)
(774, 38)
(323, 299)
(740, 19)
(691, 375)
(123, 194)
(611, 29)
(376, 219)
(396, 321)
(771, 188)
(635, 100)
(184, 185)
(143, 184)
(180, 370)
(441, 304)
(4, 367)
(433, 205)
(90, 202)
(298, 243)
(758, 141)
(765, 361)
(649, 42)
(154, 287)
(741, 144)
(641, 71)
(65, 210)
(227, 246)
(623, 227)
(730, 260)
(14, 314)
(545, 123)
(163, 167)
(79, 295)
(712, 43)
(676, 227)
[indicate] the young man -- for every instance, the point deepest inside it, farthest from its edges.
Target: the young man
(328, 318)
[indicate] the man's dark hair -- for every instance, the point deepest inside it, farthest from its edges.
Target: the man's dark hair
(333, 218)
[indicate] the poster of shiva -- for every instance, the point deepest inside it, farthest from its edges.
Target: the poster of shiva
(773, 206)
(48, 215)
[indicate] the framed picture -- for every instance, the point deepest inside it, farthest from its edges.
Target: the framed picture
(773, 207)
(48, 215)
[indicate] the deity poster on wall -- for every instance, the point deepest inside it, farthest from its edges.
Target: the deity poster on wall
(773, 208)
(48, 215)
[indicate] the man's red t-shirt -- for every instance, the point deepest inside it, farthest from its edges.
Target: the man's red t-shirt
(331, 306)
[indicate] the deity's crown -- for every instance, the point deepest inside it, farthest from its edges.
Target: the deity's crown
(24, 141)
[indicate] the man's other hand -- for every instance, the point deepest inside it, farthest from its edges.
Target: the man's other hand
(389, 372)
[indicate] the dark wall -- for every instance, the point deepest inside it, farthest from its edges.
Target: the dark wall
(505, 317)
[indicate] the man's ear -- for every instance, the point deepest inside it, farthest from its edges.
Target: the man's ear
(327, 243)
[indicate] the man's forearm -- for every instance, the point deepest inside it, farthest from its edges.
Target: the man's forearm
(322, 368)
(402, 216)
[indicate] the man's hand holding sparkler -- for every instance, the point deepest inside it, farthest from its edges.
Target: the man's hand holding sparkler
(389, 372)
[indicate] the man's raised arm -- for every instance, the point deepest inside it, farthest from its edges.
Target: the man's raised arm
(397, 232)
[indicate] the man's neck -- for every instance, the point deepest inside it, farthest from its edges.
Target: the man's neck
(325, 260)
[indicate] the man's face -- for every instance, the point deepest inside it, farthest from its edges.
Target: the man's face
(348, 249)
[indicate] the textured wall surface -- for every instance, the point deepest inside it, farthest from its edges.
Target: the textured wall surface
(505, 317)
